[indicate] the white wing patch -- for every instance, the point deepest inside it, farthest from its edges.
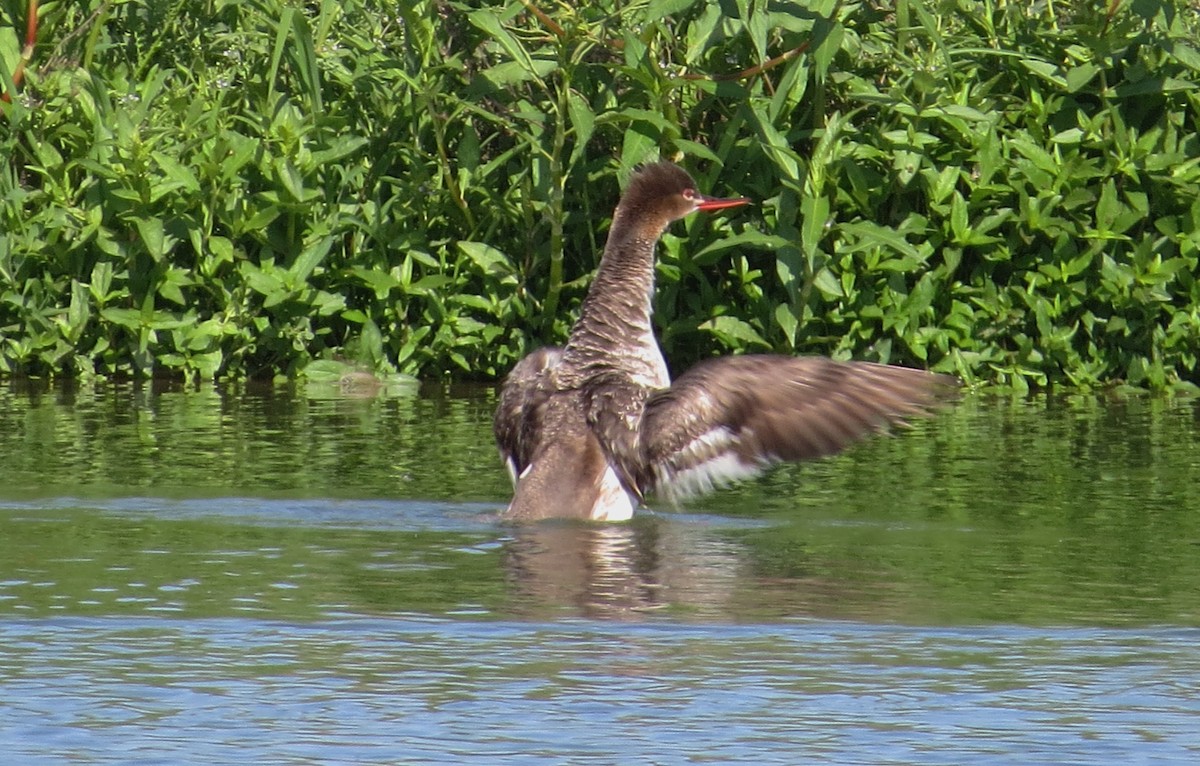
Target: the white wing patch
(708, 461)
(511, 464)
(613, 503)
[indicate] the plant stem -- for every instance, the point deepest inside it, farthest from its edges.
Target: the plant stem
(557, 190)
(31, 24)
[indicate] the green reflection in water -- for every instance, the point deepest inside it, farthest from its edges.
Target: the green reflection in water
(120, 440)
(1055, 511)
(297, 505)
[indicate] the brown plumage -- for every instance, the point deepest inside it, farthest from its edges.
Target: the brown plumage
(589, 430)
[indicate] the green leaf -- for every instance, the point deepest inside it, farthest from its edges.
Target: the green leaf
(328, 303)
(788, 323)
(150, 230)
(1183, 53)
(965, 112)
(174, 279)
(661, 8)
(128, 318)
(871, 233)
(490, 24)
(638, 145)
(777, 147)
(292, 180)
(943, 183)
(959, 225)
(508, 73)
(79, 311)
(814, 212)
(266, 284)
(827, 283)
(1078, 77)
(1108, 207)
(261, 218)
(1154, 85)
(1045, 70)
(381, 282)
(101, 283)
(1068, 136)
(178, 174)
(696, 149)
(308, 260)
(342, 148)
(304, 58)
(281, 35)
(487, 258)
(734, 332)
(221, 249)
(755, 239)
(1041, 159)
(583, 122)
(758, 28)
(828, 42)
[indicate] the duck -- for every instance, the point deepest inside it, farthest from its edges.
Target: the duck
(591, 429)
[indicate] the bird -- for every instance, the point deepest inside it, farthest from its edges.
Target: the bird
(589, 430)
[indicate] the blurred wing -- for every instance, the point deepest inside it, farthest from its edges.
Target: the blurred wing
(517, 415)
(730, 418)
(614, 406)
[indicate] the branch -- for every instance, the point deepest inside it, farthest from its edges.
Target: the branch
(547, 22)
(753, 71)
(31, 24)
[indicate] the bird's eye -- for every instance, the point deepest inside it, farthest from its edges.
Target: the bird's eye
(689, 194)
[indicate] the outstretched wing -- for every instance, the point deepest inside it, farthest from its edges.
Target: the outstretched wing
(730, 418)
(521, 400)
(614, 404)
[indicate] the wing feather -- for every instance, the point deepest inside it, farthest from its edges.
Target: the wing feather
(731, 418)
(614, 408)
(522, 398)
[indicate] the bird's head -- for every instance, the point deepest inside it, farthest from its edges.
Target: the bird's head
(661, 192)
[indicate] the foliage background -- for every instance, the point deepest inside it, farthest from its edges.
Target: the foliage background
(211, 188)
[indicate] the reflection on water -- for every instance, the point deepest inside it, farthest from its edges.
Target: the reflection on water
(274, 576)
(601, 571)
(119, 440)
(1073, 511)
(620, 571)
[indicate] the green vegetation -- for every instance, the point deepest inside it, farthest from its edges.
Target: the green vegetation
(220, 188)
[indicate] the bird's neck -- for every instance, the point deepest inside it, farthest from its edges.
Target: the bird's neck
(614, 330)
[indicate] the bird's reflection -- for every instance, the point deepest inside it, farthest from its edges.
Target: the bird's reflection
(620, 571)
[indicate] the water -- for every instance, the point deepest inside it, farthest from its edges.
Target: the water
(299, 577)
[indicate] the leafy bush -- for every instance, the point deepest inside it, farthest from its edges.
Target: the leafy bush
(218, 188)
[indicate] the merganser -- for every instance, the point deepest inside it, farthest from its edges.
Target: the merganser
(589, 430)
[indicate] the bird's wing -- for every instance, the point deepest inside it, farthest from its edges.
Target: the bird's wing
(517, 415)
(732, 417)
(614, 403)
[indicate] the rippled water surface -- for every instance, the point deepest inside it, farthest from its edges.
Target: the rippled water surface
(301, 577)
